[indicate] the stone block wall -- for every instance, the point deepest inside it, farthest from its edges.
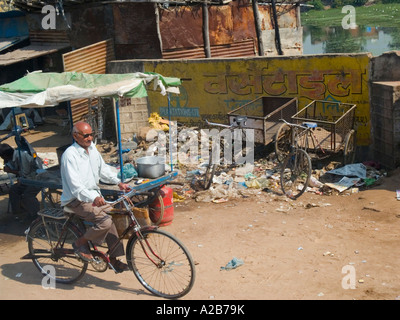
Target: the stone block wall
(385, 125)
(385, 109)
(133, 114)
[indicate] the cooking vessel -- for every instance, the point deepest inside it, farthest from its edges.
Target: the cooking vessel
(150, 167)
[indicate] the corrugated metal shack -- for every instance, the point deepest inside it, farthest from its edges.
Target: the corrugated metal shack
(89, 34)
(171, 29)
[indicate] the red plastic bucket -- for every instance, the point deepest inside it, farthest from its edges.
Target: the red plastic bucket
(165, 203)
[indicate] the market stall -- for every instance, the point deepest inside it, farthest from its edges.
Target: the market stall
(41, 89)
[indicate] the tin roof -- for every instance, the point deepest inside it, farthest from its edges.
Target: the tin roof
(29, 52)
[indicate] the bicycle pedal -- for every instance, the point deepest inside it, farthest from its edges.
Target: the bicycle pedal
(110, 266)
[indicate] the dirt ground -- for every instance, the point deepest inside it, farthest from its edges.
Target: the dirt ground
(317, 247)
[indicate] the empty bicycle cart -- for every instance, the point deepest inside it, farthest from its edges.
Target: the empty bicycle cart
(321, 129)
(263, 115)
(332, 130)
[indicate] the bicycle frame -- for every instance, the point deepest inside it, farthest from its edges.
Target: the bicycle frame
(125, 199)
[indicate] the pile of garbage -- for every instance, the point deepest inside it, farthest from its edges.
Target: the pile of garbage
(230, 182)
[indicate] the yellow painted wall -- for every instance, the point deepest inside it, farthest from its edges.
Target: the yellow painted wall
(218, 86)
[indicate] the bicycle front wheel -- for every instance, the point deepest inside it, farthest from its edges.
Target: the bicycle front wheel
(161, 263)
(50, 245)
(283, 142)
(296, 173)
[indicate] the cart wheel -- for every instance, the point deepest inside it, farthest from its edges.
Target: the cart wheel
(349, 151)
(283, 142)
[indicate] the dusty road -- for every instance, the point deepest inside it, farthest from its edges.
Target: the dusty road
(289, 251)
(314, 248)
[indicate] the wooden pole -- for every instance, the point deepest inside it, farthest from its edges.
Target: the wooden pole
(257, 22)
(206, 35)
(276, 27)
(157, 14)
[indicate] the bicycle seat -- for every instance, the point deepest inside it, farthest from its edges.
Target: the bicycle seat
(310, 124)
(67, 209)
(240, 120)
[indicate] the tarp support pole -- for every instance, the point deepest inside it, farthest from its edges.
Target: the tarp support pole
(170, 134)
(71, 120)
(17, 139)
(121, 163)
(69, 110)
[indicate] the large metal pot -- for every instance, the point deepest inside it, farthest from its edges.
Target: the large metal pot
(150, 167)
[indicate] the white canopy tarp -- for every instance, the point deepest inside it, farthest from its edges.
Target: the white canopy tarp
(39, 89)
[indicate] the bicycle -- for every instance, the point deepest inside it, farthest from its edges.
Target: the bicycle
(214, 158)
(296, 168)
(332, 131)
(160, 262)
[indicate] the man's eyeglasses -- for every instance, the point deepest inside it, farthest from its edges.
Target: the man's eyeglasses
(87, 135)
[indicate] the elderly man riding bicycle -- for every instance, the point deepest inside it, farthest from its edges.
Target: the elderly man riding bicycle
(82, 167)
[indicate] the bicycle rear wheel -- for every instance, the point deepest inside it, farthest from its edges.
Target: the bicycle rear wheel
(296, 173)
(210, 171)
(209, 175)
(42, 240)
(161, 263)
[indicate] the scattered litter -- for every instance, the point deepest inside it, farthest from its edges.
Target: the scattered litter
(343, 184)
(177, 197)
(233, 264)
(351, 170)
(314, 182)
(129, 171)
(311, 205)
(221, 200)
(372, 209)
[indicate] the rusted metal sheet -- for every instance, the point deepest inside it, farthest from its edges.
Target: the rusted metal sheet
(181, 27)
(232, 23)
(192, 53)
(246, 48)
(91, 59)
(231, 31)
(288, 16)
(32, 51)
(53, 36)
(135, 31)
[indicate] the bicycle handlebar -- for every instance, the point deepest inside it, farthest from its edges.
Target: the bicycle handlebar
(15, 132)
(218, 124)
(294, 124)
(235, 124)
(128, 194)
